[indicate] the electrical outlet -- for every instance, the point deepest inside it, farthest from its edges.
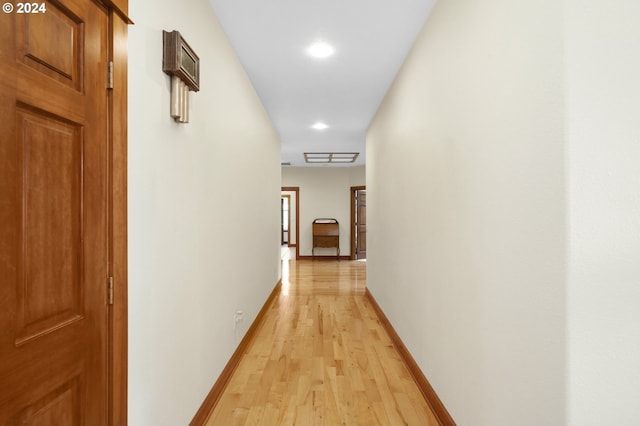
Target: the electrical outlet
(237, 318)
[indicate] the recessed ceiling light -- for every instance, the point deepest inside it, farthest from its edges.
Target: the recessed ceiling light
(320, 49)
(319, 126)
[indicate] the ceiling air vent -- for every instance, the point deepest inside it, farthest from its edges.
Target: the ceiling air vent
(330, 157)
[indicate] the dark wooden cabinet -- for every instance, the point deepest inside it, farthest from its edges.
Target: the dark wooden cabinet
(326, 234)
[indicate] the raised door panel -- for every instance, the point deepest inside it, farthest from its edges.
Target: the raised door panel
(59, 57)
(49, 286)
(62, 406)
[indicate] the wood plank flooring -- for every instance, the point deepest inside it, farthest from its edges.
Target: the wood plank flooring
(321, 357)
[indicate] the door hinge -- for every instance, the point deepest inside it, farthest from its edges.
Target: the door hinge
(110, 75)
(110, 291)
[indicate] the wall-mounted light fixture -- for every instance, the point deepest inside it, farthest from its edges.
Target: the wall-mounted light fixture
(183, 65)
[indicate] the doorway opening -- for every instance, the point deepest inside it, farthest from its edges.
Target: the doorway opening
(290, 195)
(285, 219)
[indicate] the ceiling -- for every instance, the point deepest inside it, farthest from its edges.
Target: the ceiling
(371, 38)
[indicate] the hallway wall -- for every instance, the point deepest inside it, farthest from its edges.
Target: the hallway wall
(324, 192)
(603, 172)
(466, 209)
(191, 236)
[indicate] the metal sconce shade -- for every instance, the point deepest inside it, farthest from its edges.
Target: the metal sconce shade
(179, 100)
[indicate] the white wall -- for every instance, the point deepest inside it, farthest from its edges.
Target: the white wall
(324, 192)
(190, 236)
(466, 209)
(603, 99)
(357, 176)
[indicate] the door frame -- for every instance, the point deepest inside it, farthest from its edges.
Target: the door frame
(117, 349)
(295, 189)
(352, 202)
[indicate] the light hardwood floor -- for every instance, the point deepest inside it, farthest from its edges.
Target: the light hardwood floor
(321, 357)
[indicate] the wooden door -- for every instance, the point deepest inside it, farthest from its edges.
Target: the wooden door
(53, 215)
(361, 224)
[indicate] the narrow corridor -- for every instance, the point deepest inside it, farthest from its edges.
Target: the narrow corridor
(322, 357)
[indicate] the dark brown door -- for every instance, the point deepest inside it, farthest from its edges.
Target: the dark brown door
(53, 215)
(361, 224)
